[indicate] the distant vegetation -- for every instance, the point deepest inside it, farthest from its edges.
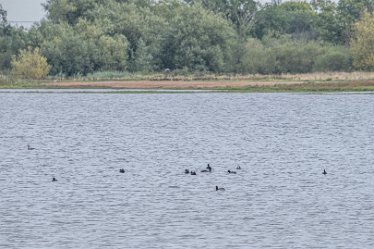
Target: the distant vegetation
(85, 37)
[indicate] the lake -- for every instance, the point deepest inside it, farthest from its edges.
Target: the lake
(279, 199)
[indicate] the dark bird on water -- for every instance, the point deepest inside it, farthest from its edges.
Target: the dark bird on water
(238, 167)
(193, 173)
(186, 171)
(30, 148)
(219, 189)
(324, 172)
(54, 179)
(122, 171)
(209, 168)
(231, 172)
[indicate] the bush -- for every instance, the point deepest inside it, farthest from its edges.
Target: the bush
(338, 59)
(296, 57)
(289, 56)
(256, 59)
(30, 64)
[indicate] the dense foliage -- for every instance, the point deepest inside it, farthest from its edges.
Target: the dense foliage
(30, 64)
(363, 43)
(79, 37)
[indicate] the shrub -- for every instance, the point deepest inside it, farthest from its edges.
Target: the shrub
(335, 59)
(30, 64)
(296, 57)
(256, 59)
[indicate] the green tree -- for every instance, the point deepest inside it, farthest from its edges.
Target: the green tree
(69, 11)
(12, 39)
(143, 59)
(240, 12)
(351, 11)
(197, 40)
(83, 49)
(293, 18)
(328, 22)
(4, 40)
(30, 64)
(362, 44)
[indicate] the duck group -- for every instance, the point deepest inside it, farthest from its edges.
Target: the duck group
(209, 169)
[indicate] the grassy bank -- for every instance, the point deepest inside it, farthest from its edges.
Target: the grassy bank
(318, 86)
(315, 82)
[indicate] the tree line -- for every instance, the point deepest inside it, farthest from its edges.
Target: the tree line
(79, 37)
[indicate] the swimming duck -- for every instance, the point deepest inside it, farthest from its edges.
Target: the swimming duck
(219, 189)
(209, 168)
(324, 172)
(30, 148)
(186, 171)
(54, 179)
(231, 172)
(193, 173)
(238, 167)
(121, 170)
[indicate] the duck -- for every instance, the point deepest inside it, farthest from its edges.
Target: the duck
(219, 189)
(238, 167)
(186, 171)
(209, 168)
(30, 148)
(54, 179)
(324, 172)
(121, 170)
(231, 172)
(193, 173)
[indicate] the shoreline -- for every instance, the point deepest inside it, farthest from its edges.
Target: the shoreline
(322, 82)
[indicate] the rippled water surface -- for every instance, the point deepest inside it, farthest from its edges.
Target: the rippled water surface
(279, 199)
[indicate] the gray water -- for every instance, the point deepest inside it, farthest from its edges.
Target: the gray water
(279, 199)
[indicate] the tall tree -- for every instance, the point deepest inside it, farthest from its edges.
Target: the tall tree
(12, 39)
(362, 43)
(350, 11)
(328, 22)
(240, 12)
(293, 18)
(197, 40)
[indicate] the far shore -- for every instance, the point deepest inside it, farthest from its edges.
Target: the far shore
(356, 81)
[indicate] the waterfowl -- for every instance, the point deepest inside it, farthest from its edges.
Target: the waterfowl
(219, 189)
(193, 173)
(121, 170)
(324, 172)
(205, 171)
(54, 179)
(231, 172)
(238, 167)
(209, 168)
(30, 148)
(186, 171)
